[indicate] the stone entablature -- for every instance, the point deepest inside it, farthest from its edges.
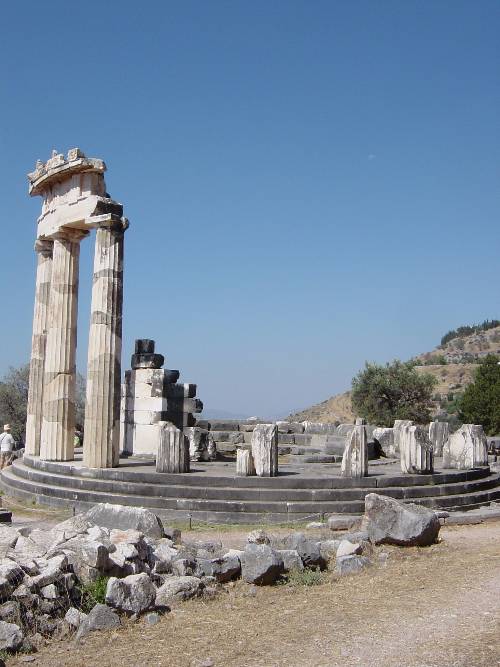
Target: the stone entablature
(74, 193)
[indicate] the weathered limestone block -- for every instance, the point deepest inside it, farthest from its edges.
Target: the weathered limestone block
(102, 407)
(244, 463)
(198, 443)
(265, 450)
(124, 517)
(176, 589)
(416, 450)
(399, 426)
(173, 449)
(466, 448)
(319, 427)
(355, 458)
(38, 345)
(439, 432)
(58, 423)
(133, 594)
(100, 617)
(388, 521)
(260, 564)
(385, 438)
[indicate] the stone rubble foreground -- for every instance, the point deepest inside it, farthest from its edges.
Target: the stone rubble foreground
(43, 573)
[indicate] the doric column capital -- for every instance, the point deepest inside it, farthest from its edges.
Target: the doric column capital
(44, 247)
(70, 234)
(111, 221)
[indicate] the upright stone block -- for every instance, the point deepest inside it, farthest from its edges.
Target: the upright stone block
(58, 423)
(355, 458)
(38, 348)
(439, 432)
(265, 450)
(398, 428)
(467, 448)
(244, 463)
(198, 443)
(102, 409)
(416, 450)
(173, 449)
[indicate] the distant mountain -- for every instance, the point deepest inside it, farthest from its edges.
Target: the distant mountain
(452, 363)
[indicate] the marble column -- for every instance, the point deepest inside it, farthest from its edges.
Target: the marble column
(38, 341)
(101, 446)
(58, 421)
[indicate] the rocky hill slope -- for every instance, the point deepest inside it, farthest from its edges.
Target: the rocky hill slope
(452, 364)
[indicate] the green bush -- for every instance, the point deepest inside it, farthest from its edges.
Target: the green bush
(480, 402)
(382, 394)
(93, 593)
(305, 577)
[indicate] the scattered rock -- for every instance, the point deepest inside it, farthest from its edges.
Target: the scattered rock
(152, 618)
(176, 589)
(291, 560)
(133, 594)
(260, 564)
(74, 617)
(101, 617)
(313, 525)
(343, 522)
(11, 636)
(388, 521)
(308, 550)
(258, 537)
(124, 517)
(351, 564)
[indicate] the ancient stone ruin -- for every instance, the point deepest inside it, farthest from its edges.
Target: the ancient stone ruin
(75, 201)
(151, 394)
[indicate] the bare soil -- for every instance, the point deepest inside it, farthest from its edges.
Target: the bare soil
(433, 607)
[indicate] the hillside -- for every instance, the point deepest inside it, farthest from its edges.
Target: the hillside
(453, 376)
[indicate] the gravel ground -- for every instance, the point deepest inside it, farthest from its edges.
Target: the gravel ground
(433, 607)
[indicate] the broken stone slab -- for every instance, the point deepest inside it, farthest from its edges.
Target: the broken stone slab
(133, 594)
(92, 553)
(347, 548)
(439, 432)
(387, 521)
(226, 568)
(308, 550)
(338, 522)
(416, 450)
(178, 589)
(11, 636)
(101, 617)
(265, 450)
(291, 559)
(260, 564)
(244, 463)
(162, 557)
(355, 457)
(8, 538)
(467, 448)
(11, 612)
(351, 564)
(125, 517)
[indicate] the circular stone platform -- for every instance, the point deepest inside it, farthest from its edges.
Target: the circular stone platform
(213, 493)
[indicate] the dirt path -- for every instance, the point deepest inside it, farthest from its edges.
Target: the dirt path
(435, 607)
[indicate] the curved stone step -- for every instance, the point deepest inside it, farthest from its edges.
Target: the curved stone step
(275, 505)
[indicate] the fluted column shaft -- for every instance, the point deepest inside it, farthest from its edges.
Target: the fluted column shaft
(58, 422)
(102, 407)
(38, 341)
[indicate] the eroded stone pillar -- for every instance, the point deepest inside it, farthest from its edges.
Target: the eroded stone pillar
(38, 345)
(58, 422)
(102, 408)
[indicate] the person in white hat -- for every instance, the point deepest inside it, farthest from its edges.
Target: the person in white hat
(7, 444)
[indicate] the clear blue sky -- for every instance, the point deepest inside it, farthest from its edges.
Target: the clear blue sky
(309, 184)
